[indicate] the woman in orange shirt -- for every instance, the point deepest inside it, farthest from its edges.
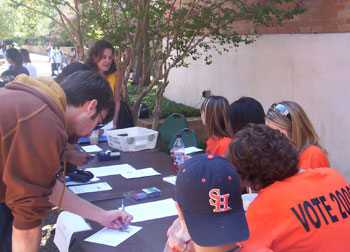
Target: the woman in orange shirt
(101, 61)
(290, 119)
(213, 115)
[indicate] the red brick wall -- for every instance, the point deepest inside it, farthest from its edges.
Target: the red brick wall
(322, 16)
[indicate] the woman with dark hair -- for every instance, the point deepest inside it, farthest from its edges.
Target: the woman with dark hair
(101, 61)
(27, 63)
(243, 111)
(15, 59)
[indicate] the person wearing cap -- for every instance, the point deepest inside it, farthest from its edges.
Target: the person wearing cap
(208, 200)
(295, 210)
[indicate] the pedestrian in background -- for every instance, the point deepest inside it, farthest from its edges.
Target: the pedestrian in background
(27, 63)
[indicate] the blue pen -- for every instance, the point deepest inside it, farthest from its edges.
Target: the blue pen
(123, 208)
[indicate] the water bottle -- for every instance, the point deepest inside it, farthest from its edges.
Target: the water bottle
(179, 153)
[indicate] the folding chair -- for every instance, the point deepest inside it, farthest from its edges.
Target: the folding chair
(171, 125)
(188, 136)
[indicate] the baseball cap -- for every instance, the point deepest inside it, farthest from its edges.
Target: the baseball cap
(208, 191)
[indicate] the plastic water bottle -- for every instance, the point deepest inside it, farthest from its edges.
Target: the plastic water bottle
(179, 153)
(178, 233)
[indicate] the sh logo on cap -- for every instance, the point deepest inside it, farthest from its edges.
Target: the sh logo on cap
(208, 192)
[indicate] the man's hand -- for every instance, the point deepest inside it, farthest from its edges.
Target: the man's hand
(77, 157)
(26, 240)
(115, 218)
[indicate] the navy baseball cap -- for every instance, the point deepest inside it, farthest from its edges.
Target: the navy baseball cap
(208, 191)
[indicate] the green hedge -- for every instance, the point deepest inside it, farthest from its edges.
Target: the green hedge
(168, 106)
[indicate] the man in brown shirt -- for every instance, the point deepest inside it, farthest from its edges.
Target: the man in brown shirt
(37, 117)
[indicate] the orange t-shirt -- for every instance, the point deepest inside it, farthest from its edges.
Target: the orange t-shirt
(309, 211)
(313, 157)
(218, 146)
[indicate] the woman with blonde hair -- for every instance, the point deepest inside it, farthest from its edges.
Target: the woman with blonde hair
(290, 118)
(213, 114)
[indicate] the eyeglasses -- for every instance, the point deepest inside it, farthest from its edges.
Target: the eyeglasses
(100, 125)
(281, 109)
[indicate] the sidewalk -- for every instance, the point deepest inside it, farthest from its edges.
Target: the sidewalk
(41, 62)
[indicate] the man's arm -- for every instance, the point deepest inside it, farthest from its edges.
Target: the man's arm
(26, 240)
(74, 204)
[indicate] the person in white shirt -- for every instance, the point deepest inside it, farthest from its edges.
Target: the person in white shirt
(27, 63)
(58, 58)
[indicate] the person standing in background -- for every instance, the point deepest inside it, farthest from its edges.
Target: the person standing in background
(58, 59)
(27, 63)
(15, 59)
(101, 61)
(52, 60)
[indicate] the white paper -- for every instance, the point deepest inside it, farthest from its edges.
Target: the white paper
(110, 170)
(91, 148)
(112, 237)
(152, 210)
(72, 183)
(170, 179)
(140, 173)
(67, 224)
(192, 149)
(91, 188)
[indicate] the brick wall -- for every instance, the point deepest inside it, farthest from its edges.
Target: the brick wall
(322, 16)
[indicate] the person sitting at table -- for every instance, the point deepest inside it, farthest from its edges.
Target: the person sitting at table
(213, 115)
(243, 111)
(208, 201)
(295, 210)
(313, 212)
(290, 118)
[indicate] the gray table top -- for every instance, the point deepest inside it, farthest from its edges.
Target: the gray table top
(152, 236)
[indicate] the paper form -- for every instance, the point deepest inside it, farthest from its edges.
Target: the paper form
(112, 237)
(91, 188)
(67, 224)
(152, 210)
(170, 179)
(140, 173)
(192, 149)
(91, 148)
(110, 170)
(71, 183)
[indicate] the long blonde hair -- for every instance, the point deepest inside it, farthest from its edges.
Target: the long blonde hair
(214, 108)
(296, 123)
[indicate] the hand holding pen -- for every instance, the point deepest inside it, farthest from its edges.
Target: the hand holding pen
(115, 219)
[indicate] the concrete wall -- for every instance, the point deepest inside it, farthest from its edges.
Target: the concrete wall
(311, 69)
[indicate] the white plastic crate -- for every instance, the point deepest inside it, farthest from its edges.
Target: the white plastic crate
(132, 139)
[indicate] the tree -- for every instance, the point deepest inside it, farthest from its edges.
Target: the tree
(166, 33)
(66, 14)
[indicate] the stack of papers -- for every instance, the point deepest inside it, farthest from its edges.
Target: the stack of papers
(67, 224)
(152, 210)
(170, 179)
(192, 149)
(140, 173)
(110, 170)
(91, 188)
(112, 237)
(91, 148)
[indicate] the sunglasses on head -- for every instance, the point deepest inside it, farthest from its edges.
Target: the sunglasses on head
(280, 108)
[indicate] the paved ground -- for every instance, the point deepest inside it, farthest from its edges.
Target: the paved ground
(43, 67)
(41, 62)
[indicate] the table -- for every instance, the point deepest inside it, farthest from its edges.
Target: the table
(152, 236)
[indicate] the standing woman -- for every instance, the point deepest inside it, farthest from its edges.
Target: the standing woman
(15, 59)
(290, 119)
(213, 115)
(101, 61)
(27, 63)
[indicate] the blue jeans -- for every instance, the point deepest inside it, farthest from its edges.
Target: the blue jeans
(6, 220)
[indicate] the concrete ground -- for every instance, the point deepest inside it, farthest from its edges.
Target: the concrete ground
(43, 67)
(41, 62)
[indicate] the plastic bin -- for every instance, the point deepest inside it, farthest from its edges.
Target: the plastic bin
(132, 139)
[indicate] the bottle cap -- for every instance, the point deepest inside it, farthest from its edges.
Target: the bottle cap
(178, 136)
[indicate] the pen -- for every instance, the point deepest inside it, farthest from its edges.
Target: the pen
(123, 208)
